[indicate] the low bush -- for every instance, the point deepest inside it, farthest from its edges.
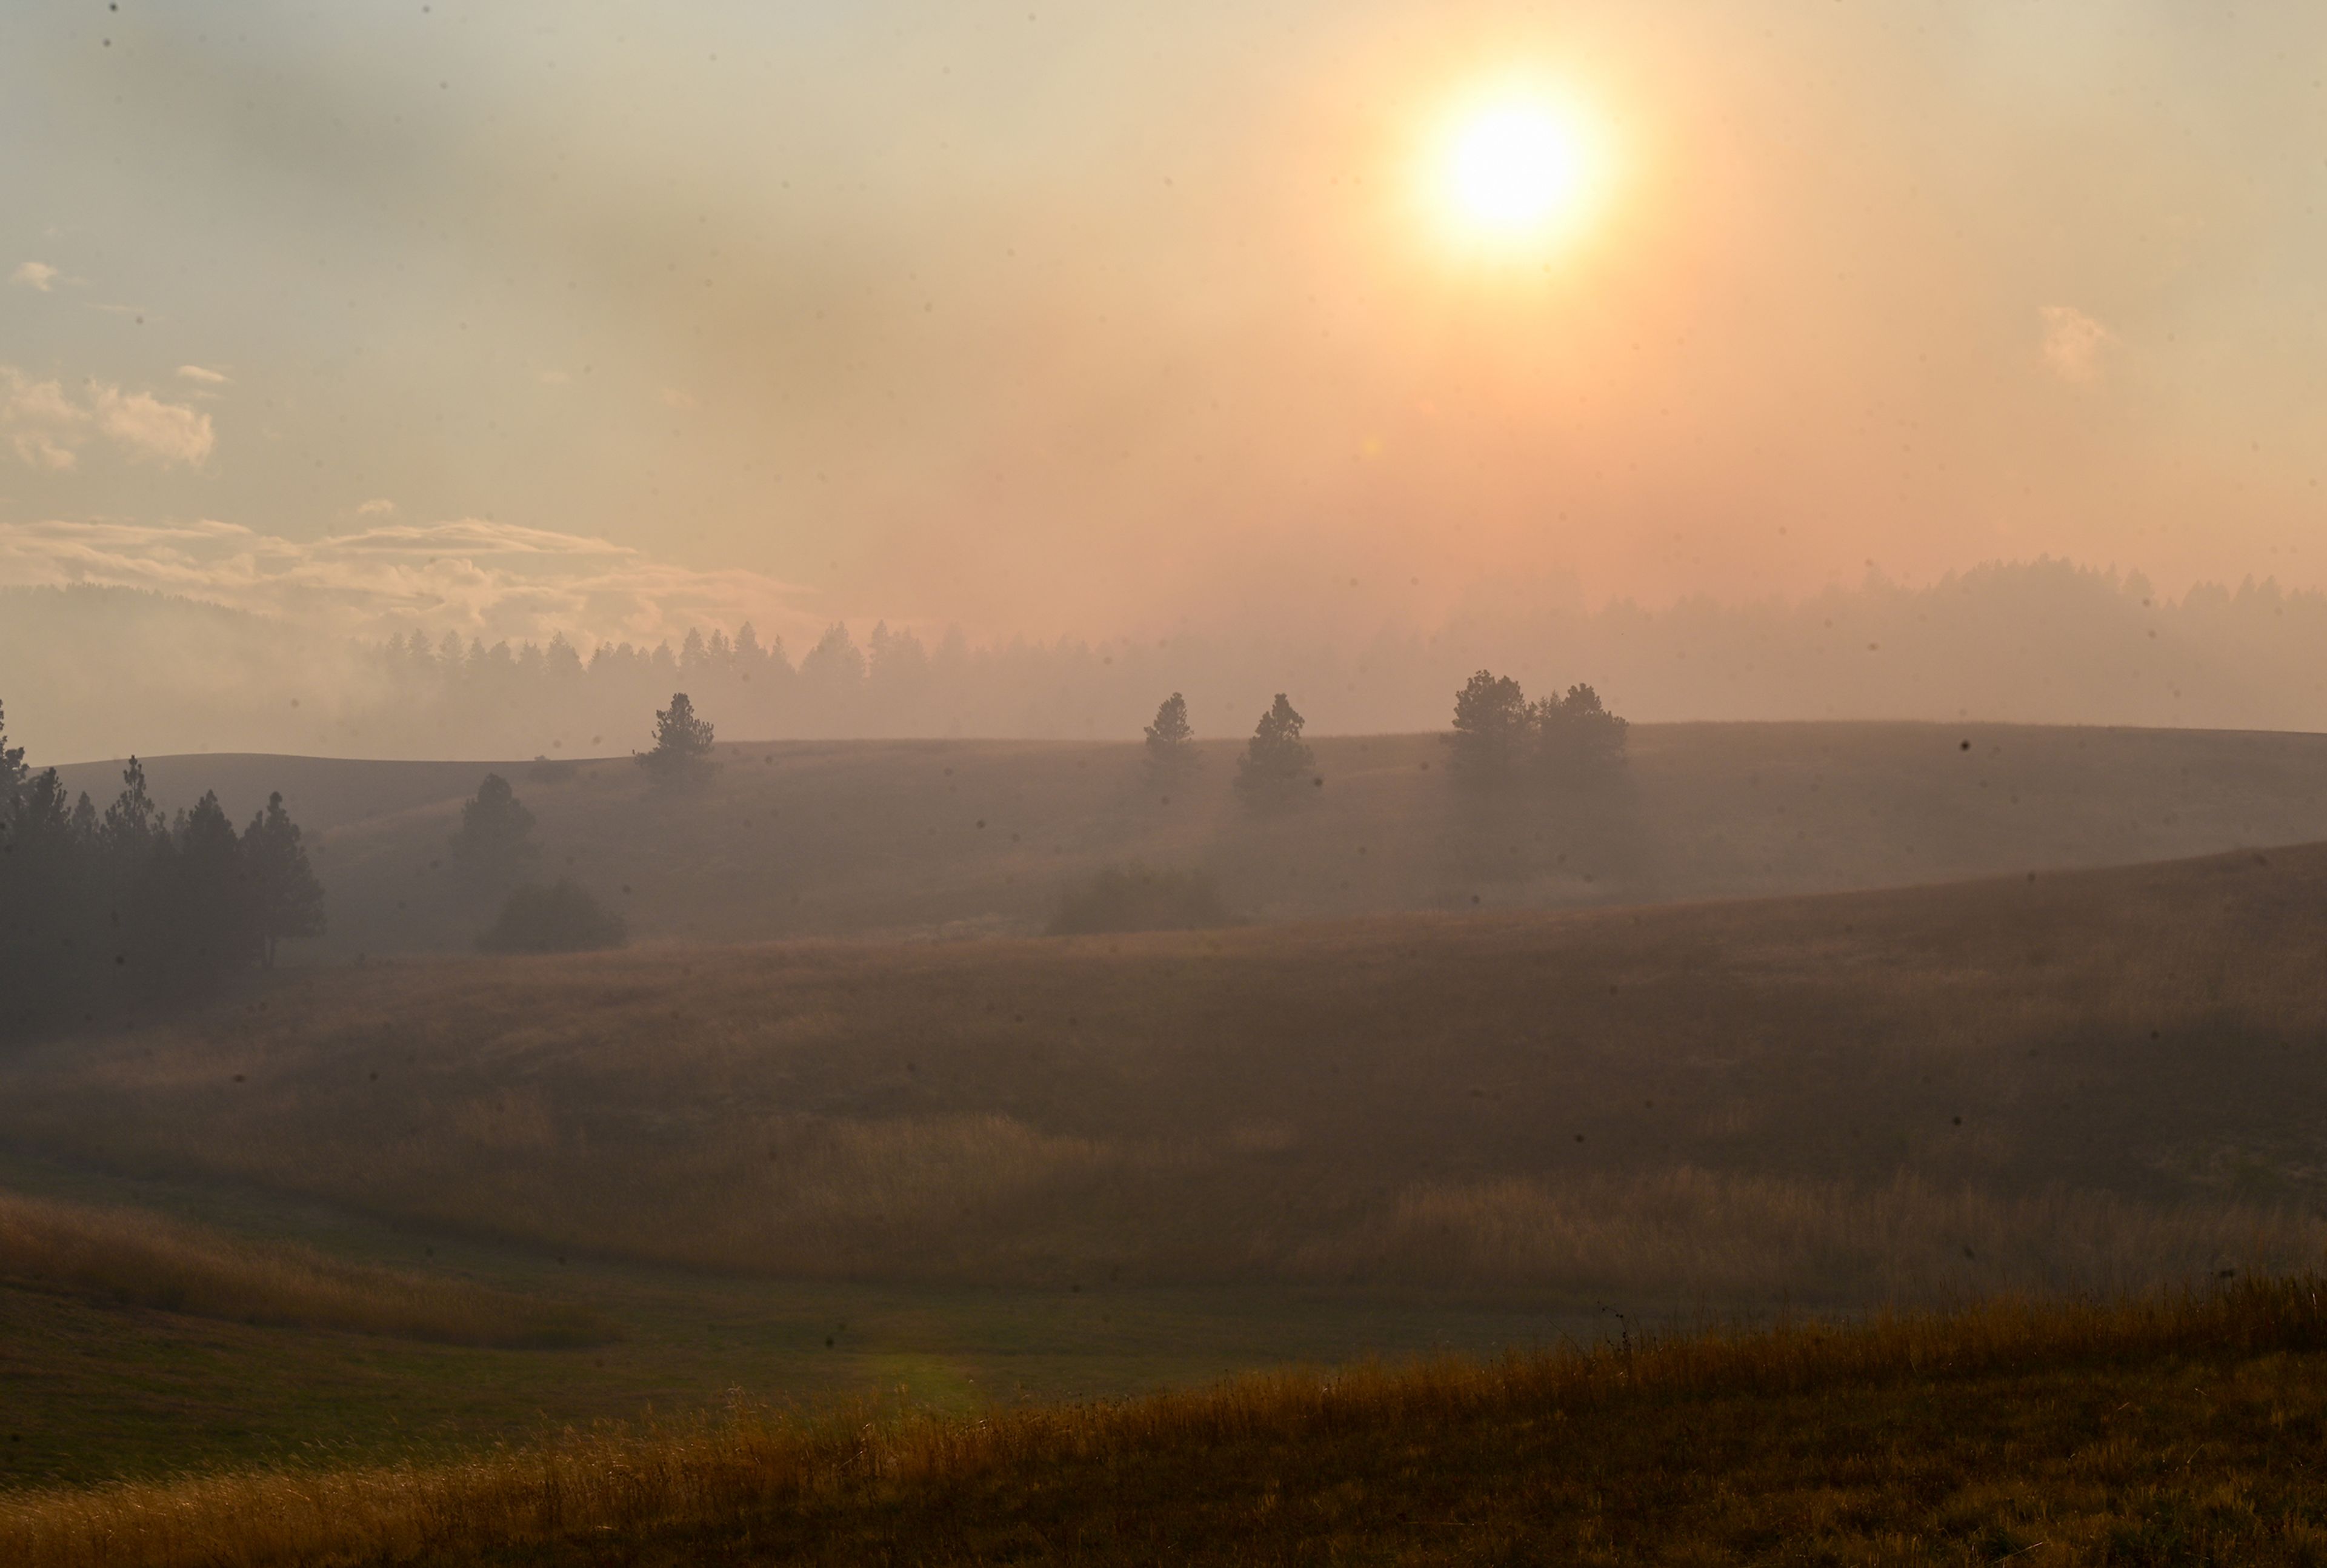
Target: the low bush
(1137, 897)
(560, 918)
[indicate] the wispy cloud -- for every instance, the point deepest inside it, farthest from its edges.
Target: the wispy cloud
(38, 450)
(206, 377)
(473, 574)
(37, 274)
(2073, 343)
(377, 507)
(48, 426)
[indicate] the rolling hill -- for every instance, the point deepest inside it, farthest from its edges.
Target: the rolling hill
(2074, 1080)
(955, 838)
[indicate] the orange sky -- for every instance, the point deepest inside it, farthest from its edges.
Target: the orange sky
(1114, 317)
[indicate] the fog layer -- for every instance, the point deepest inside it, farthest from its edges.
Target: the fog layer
(99, 673)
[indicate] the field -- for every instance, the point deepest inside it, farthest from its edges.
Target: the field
(2081, 1080)
(135, 1258)
(372, 1223)
(2182, 1429)
(954, 838)
(104, 1379)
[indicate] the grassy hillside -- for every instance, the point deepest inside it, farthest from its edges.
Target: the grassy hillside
(962, 837)
(129, 1257)
(97, 1383)
(2081, 1080)
(2166, 1432)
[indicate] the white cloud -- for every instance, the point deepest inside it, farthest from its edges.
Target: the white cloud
(37, 274)
(48, 426)
(481, 577)
(377, 507)
(2073, 343)
(206, 378)
(150, 429)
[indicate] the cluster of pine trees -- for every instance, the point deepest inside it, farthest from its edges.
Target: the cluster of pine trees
(131, 905)
(1500, 739)
(494, 853)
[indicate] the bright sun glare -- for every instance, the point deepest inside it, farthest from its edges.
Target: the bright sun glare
(1515, 171)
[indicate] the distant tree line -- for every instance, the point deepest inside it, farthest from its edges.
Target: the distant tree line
(131, 905)
(2043, 642)
(833, 687)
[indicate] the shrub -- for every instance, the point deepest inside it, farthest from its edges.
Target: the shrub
(562, 918)
(1137, 897)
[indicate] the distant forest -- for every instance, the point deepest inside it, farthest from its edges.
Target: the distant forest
(94, 670)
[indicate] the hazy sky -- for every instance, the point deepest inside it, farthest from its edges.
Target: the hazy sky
(1053, 318)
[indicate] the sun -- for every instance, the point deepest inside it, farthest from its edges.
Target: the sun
(1515, 171)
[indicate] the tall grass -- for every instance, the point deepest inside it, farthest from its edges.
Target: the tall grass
(727, 1472)
(129, 1257)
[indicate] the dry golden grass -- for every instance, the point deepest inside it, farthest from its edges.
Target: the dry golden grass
(2088, 1080)
(142, 1259)
(1901, 1438)
(1730, 1237)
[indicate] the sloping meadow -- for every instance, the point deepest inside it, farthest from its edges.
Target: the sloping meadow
(2088, 1081)
(134, 1257)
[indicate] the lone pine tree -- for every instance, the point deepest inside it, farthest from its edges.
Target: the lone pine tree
(1276, 762)
(682, 747)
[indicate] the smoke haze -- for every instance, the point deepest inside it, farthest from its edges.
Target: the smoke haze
(98, 673)
(1097, 323)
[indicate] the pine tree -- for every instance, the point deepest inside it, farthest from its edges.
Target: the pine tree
(1492, 726)
(1171, 742)
(563, 663)
(494, 847)
(1579, 741)
(287, 901)
(207, 913)
(133, 824)
(1276, 761)
(682, 747)
(12, 772)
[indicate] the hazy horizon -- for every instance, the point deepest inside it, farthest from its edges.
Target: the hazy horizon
(95, 673)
